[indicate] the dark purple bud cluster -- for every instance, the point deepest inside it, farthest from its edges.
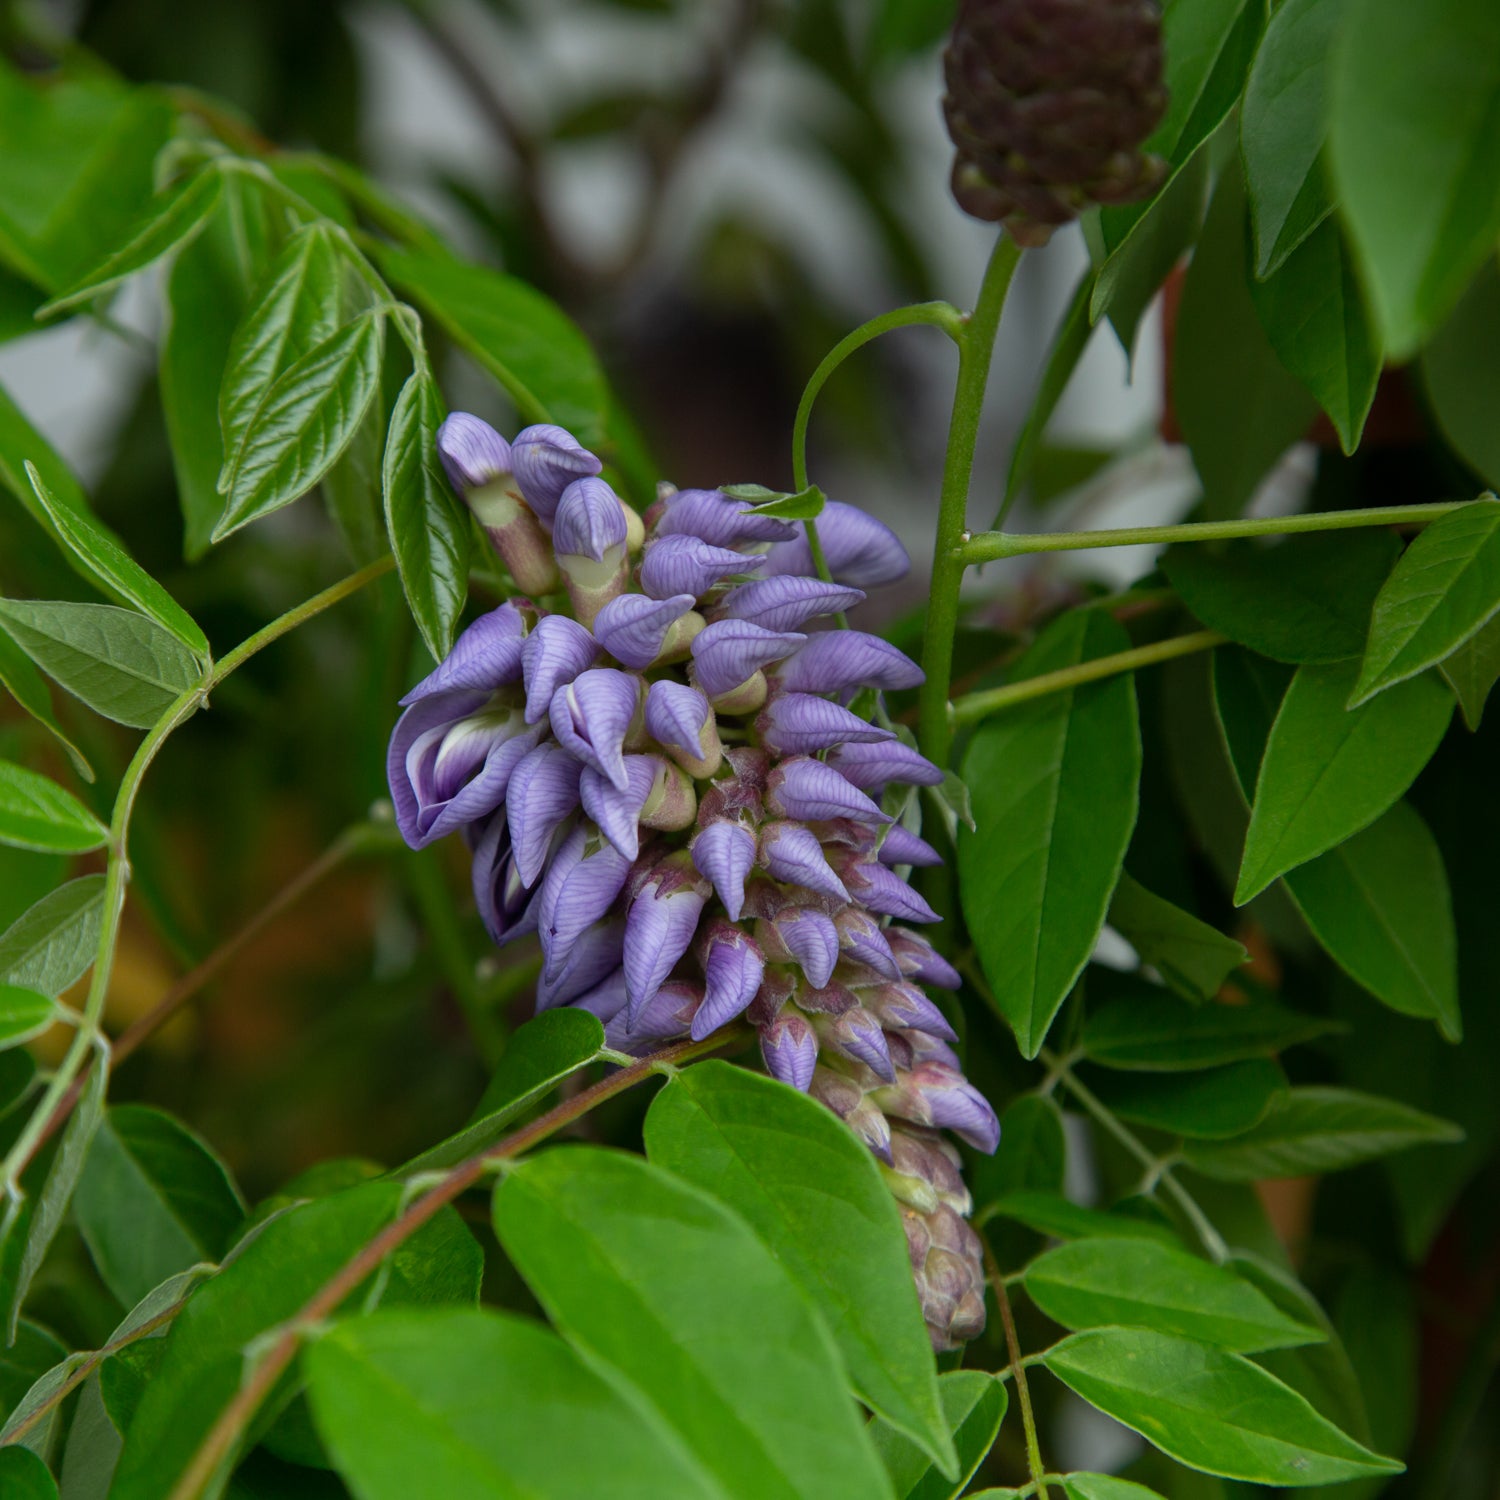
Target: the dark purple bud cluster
(660, 777)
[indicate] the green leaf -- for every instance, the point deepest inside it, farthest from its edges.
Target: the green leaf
(53, 944)
(547, 1049)
(1330, 771)
(428, 525)
(675, 1295)
(29, 1354)
(476, 1405)
(1211, 1105)
(973, 1407)
(1210, 1410)
(23, 1014)
(1380, 907)
(309, 416)
(1059, 1218)
(23, 1476)
(1314, 1129)
(120, 575)
(1239, 407)
(1192, 957)
(93, 1445)
(1142, 1283)
(1283, 127)
(1305, 599)
(1035, 1155)
(168, 220)
(1462, 378)
(1471, 672)
(1084, 1486)
(1312, 311)
(525, 341)
(294, 309)
(805, 505)
(1444, 589)
(122, 664)
(1055, 785)
(153, 1200)
(813, 1192)
(1412, 149)
(38, 814)
(25, 685)
(1145, 1033)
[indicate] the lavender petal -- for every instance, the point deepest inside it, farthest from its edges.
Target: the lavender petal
(729, 651)
(790, 1050)
(787, 602)
(543, 792)
(838, 660)
(472, 452)
(546, 460)
(555, 652)
(713, 517)
(633, 627)
(617, 811)
(591, 717)
(486, 656)
(802, 724)
(724, 853)
(874, 765)
(792, 853)
(687, 565)
(814, 792)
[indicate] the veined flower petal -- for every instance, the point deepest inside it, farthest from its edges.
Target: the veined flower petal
(790, 1049)
(859, 549)
(732, 972)
(633, 628)
(591, 717)
(590, 520)
(713, 517)
(687, 565)
(812, 791)
(546, 460)
(592, 958)
(543, 792)
(617, 810)
(486, 656)
(838, 660)
(724, 853)
(729, 651)
(786, 602)
(555, 652)
(875, 765)
(790, 852)
(659, 929)
(471, 451)
(901, 846)
(802, 724)
(812, 939)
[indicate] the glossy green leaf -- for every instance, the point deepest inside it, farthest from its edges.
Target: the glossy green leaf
(1471, 671)
(36, 813)
(1085, 1486)
(1314, 1129)
(973, 1407)
(476, 1405)
(1444, 589)
(1192, 957)
(1239, 407)
(1208, 1409)
(1140, 1283)
(23, 1476)
(547, 1049)
(122, 664)
(120, 575)
(1380, 907)
(153, 1200)
(23, 1014)
(1035, 1155)
(805, 505)
(1283, 127)
(25, 684)
(1329, 771)
(657, 1282)
(812, 1191)
(428, 525)
(1055, 787)
(1312, 310)
(1463, 379)
(307, 419)
(1058, 1218)
(1164, 1035)
(1306, 599)
(1211, 1105)
(1412, 150)
(166, 222)
(53, 943)
(524, 340)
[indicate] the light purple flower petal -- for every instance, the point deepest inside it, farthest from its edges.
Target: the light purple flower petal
(617, 811)
(713, 517)
(579, 887)
(591, 959)
(904, 1005)
(790, 1050)
(677, 715)
(666, 1016)
(958, 1106)
(472, 452)
(591, 717)
(858, 1034)
(811, 939)
(792, 853)
(837, 660)
(884, 891)
(543, 792)
(414, 744)
(633, 627)
(546, 460)
(607, 1001)
(874, 765)
(864, 940)
(919, 960)
(732, 972)
(728, 651)
(685, 565)
(724, 853)
(498, 893)
(813, 792)
(801, 724)
(786, 602)
(486, 656)
(860, 550)
(555, 652)
(659, 929)
(903, 847)
(589, 520)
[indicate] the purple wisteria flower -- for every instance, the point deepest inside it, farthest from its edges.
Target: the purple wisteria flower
(654, 755)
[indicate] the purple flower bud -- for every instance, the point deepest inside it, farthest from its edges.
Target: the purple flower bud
(790, 852)
(617, 811)
(680, 719)
(503, 901)
(715, 518)
(956, 1105)
(726, 653)
(904, 1005)
(857, 1034)
(472, 452)
(873, 765)
(790, 1050)
(801, 724)
(667, 1015)
(555, 652)
(863, 939)
(591, 717)
(589, 522)
(607, 1001)
(902, 847)
(811, 938)
(687, 565)
(592, 959)
(724, 853)
(838, 660)
(486, 656)
(580, 886)
(633, 628)
(786, 602)
(814, 792)
(545, 461)
(732, 972)
(919, 960)
(543, 792)
(659, 929)
(859, 549)
(884, 891)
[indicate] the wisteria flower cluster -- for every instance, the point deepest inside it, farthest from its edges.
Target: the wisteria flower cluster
(654, 762)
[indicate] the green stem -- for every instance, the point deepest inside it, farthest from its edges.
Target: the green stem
(1018, 1368)
(990, 546)
(973, 707)
(976, 347)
